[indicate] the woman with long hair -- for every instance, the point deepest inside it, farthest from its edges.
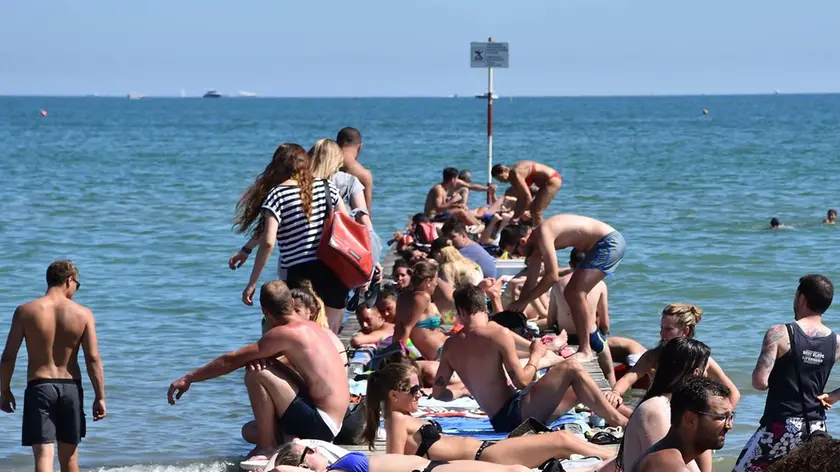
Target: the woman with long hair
(678, 320)
(285, 207)
(395, 388)
(680, 358)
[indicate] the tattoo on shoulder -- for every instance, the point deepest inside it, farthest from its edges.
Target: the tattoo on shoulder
(439, 382)
(775, 334)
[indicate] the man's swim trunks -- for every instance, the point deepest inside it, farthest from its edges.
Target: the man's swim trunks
(53, 410)
(306, 421)
(606, 255)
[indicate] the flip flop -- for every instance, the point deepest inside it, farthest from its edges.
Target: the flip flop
(603, 438)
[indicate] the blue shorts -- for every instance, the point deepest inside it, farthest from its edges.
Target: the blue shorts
(606, 255)
(597, 340)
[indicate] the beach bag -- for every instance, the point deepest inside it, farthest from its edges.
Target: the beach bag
(345, 246)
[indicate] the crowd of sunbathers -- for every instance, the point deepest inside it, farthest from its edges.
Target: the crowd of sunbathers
(505, 341)
(505, 344)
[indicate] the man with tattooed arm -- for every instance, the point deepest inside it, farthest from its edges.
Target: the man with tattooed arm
(815, 349)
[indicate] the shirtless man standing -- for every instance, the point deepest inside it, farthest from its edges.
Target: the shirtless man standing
(701, 415)
(521, 176)
(482, 353)
(604, 249)
(439, 206)
(350, 141)
(560, 316)
(54, 327)
(307, 399)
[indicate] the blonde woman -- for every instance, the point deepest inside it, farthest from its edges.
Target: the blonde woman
(327, 159)
(454, 267)
(679, 320)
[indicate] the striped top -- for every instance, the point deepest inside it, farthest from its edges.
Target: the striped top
(297, 238)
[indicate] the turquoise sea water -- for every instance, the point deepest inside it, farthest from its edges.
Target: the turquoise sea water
(140, 194)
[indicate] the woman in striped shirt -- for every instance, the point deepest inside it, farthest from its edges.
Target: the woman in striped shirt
(287, 208)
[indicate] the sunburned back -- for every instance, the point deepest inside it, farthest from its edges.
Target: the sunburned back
(576, 231)
(339, 346)
(477, 359)
(53, 328)
(314, 356)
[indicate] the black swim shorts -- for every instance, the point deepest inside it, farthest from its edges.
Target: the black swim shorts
(53, 410)
(305, 421)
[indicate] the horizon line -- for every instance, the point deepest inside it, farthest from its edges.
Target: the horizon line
(451, 96)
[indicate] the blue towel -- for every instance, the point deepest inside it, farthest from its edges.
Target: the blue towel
(481, 428)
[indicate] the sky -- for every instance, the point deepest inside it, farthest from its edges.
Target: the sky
(326, 48)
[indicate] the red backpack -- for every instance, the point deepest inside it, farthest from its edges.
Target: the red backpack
(345, 246)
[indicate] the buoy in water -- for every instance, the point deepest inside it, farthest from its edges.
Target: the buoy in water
(705, 111)
(43, 112)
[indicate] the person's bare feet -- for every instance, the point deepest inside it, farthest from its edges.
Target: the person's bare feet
(582, 356)
(556, 343)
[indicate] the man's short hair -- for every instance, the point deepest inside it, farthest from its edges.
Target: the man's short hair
(59, 271)
(576, 257)
(276, 298)
(453, 225)
(469, 299)
(348, 137)
(818, 292)
(693, 394)
(511, 234)
(450, 173)
(465, 175)
(497, 170)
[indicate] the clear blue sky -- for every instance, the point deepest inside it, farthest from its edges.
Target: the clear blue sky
(417, 48)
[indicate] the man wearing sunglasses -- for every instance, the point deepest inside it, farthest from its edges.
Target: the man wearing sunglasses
(54, 327)
(304, 396)
(701, 415)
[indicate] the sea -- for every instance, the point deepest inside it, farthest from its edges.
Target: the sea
(140, 194)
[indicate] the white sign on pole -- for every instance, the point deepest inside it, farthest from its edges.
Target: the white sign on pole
(489, 55)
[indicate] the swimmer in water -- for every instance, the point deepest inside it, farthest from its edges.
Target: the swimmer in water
(775, 224)
(831, 217)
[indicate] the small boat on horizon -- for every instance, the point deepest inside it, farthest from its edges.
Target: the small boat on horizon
(246, 94)
(135, 96)
(484, 96)
(212, 94)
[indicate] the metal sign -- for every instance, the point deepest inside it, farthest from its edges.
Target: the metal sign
(489, 55)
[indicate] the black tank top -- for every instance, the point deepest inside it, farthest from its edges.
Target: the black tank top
(815, 356)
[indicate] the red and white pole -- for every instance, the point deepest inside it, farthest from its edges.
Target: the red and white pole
(489, 124)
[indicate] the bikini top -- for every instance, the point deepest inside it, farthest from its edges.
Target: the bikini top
(429, 434)
(352, 462)
(432, 322)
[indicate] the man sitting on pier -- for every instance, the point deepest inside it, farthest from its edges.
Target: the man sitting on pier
(482, 353)
(306, 399)
(443, 201)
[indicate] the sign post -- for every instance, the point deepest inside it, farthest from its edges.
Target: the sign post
(489, 55)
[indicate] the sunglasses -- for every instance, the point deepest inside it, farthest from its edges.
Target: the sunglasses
(720, 417)
(78, 284)
(414, 390)
(306, 451)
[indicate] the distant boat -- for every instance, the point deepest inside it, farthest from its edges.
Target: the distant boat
(135, 96)
(484, 96)
(246, 94)
(212, 94)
